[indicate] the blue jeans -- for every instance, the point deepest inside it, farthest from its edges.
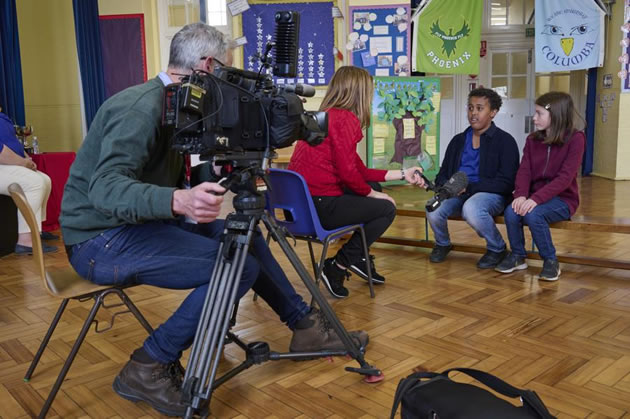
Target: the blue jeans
(478, 211)
(179, 255)
(538, 221)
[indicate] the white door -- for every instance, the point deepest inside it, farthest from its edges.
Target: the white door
(511, 75)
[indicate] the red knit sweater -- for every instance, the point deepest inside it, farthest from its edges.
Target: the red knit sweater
(547, 171)
(334, 164)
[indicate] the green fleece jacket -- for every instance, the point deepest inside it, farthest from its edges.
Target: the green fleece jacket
(125, 172)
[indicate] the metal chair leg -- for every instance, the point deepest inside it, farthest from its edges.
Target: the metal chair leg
(46, 339)
(366, 251)
(75, 348)
(320, 267)
(310, 250)
(134, 310)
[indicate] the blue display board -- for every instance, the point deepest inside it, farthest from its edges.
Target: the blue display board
(316, 39)
(378, 39)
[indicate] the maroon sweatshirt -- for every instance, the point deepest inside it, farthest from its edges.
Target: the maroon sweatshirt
(547, 171)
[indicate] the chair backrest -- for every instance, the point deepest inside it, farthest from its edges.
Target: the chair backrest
(289, 192)
(19, 198)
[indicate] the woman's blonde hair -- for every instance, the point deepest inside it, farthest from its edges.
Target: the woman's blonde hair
(562, 113)
(350, 88)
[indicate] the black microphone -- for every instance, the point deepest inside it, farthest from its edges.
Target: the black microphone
(305, 90)
(287, 31)
(452, 188)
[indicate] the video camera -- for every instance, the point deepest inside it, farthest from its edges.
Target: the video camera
(235, 112)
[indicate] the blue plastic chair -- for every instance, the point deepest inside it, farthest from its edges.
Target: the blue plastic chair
(289, 195)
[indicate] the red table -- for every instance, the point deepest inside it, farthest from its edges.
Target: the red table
(57, 166)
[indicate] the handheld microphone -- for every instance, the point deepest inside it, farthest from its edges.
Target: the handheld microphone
(287, 31)
(305, 90)
(451, 189)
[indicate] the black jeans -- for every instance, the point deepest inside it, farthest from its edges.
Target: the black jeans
(376, 215)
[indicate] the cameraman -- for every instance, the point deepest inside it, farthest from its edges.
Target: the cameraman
(123, 223)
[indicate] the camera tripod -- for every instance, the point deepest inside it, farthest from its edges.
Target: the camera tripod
(217, 314)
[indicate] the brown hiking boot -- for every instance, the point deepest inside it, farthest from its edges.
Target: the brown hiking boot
(314, 333)
(157, 384)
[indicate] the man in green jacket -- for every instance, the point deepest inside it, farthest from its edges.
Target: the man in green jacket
(123, 222)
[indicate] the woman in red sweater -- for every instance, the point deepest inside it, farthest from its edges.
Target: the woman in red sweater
(344, 190)
(546, 189)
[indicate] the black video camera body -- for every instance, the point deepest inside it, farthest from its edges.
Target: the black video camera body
(239, 111)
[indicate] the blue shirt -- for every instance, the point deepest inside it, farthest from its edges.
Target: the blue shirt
(8, 138)
(470, 159)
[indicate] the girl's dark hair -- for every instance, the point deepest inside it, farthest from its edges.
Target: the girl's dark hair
(492, 96)
(562, 113)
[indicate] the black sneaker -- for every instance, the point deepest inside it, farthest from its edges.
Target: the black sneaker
(491, 259)
(157, 384)
(360, 268)
(333, 277)
(314, 333)
(438, 254)
(511, 263)
(550, 271)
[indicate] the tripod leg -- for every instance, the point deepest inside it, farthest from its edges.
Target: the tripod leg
(319, 298)
(199, 380)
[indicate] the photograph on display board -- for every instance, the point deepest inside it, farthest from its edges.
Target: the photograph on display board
(405, 124)
(378, 39)
(315, 61)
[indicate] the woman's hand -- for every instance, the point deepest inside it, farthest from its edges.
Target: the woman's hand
(412, 176)
(381, 195)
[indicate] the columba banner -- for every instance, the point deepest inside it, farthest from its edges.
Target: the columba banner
(447, 37)
(569, 35)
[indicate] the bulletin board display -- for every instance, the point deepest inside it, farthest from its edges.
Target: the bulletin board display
(315, 62)
(379, 39)
(404, 126)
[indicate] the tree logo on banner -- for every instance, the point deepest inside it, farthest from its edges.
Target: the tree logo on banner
(568, 44)
(449, 42)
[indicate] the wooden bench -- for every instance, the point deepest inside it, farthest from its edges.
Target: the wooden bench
(577, 223)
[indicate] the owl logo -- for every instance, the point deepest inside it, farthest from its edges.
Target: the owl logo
(567, 35)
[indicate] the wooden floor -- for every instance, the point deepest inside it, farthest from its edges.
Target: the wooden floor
(569, 341)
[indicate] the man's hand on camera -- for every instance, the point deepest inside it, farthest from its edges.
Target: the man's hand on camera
(201, 203)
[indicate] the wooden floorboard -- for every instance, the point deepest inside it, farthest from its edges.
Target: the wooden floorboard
(569, 341)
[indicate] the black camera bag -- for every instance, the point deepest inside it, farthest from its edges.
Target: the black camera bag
(430, 395)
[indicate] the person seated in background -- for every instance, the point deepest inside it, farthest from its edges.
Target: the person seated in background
(345, 191)
(17, 167)
(489, 157)
(546, 183)
(122, 219)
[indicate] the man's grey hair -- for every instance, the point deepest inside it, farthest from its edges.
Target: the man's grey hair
(197, 40)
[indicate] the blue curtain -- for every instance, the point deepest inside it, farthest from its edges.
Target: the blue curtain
(86, 27)
(587, 161)
(11, 90)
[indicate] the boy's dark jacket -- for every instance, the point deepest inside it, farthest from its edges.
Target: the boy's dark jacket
(498, 162)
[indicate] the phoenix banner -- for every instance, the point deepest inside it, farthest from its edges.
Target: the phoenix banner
(569, 35)
(447, 37)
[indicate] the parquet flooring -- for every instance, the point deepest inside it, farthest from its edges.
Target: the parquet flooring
(569, 341)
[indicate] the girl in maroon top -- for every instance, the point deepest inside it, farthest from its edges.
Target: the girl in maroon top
(344, 190)
(546, 188)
